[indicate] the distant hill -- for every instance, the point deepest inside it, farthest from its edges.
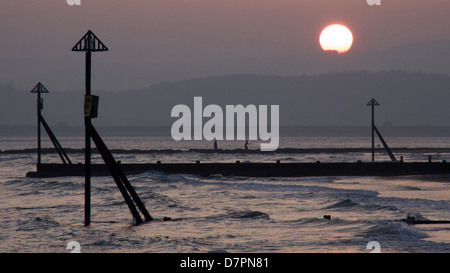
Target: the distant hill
(333, 99)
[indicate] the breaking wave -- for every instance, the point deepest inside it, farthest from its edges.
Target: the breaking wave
(45, 222)
(393, 229)
(243, 214)
(342, 204)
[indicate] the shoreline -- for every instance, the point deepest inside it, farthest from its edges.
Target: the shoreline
(238, 151)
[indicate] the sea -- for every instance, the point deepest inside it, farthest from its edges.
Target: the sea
(218, 214)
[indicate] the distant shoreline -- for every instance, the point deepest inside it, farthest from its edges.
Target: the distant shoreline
(239, 151)
(285, 131)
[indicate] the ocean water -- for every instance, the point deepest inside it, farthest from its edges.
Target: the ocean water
(224, 214)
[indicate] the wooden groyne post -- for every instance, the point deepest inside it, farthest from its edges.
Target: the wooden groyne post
(90, 43)
(38, 89)
(373, 103)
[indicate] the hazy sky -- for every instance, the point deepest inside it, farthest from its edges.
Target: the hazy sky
(152, 41)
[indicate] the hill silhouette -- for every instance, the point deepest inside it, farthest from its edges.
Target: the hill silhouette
(332, 99)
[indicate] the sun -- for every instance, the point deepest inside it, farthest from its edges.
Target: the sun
(336, 37)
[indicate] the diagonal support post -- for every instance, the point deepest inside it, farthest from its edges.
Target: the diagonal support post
(127, 190)
(386, 147)
(62, 154)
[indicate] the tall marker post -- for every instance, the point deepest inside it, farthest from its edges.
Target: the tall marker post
(89, 43)
(39, 88)
(373, 103)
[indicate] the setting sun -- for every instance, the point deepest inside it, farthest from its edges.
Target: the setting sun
(336, 37)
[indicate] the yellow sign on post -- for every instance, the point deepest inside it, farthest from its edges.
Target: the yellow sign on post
(87, 105)
(90, 106)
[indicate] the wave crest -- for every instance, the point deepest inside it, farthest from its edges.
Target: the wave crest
(37, 223)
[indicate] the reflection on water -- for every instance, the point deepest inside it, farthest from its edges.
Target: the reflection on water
(221, 214)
